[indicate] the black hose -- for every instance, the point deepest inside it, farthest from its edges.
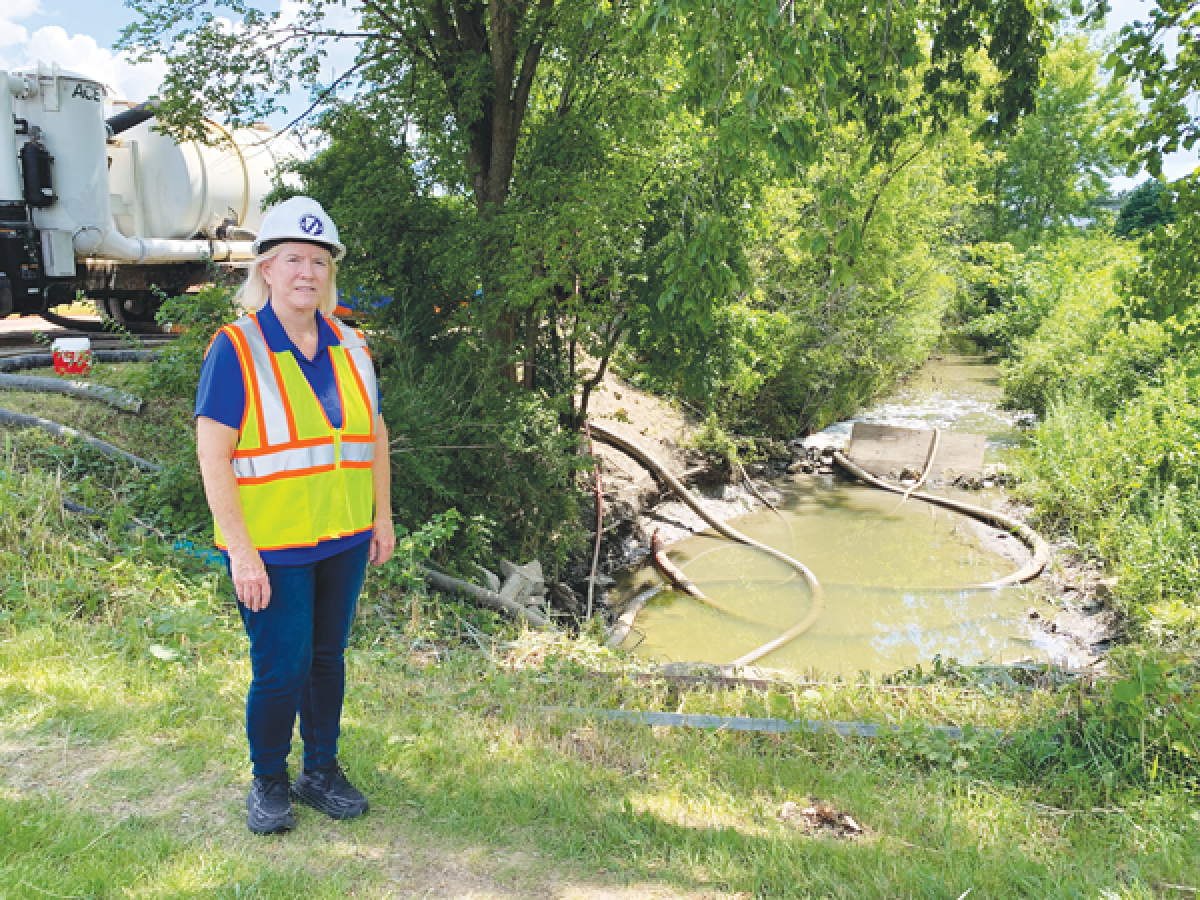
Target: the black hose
(22, 420)
(45, 360)
(32, 383)
(131, 117)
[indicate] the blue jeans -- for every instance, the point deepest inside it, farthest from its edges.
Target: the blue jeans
(298, 654)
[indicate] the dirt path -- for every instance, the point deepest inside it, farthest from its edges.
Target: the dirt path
(387, 854)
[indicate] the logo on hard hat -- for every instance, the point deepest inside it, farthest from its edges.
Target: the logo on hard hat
(311, 225)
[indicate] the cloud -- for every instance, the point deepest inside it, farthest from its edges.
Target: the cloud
(20, 49)
(10, 32)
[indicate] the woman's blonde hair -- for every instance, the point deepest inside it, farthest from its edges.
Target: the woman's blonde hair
(254, 293)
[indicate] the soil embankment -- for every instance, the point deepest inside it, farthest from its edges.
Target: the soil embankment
(635, 504)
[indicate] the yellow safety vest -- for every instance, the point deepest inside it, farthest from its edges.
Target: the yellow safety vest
(301, 480)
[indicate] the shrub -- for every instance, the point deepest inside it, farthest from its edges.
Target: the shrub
(465, 439)
(1022, 290)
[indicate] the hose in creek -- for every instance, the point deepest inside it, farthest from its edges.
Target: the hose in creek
(817, 606)
(675, 575)
(933, 449)
(1029, 537)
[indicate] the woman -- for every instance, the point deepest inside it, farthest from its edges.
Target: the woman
(294, 455)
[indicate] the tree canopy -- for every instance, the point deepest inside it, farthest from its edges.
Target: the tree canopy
(510, 102)
(1057, 163)
(1144, 210)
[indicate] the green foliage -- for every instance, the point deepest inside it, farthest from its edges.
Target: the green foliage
(175, 372)
(726, 363)
(465, 441)
(755, 89)
(1059, 323)
(852, 336)
(1141, 728)
(175, 496)
(1165, 286)
(1169, 83)
(1146, 208)
(1017, 292)
(1160, 563)
(406, 265)
(715, 443)
(926, 750)
(1080, 349)
(402, 571)
(1054, 166)
(1125, 489)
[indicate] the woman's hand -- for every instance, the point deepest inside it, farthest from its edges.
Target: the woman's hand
(250, 579)
(383, 541)
(215, 445)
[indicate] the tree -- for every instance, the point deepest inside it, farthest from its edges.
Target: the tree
(1056, 164)
(764, 80)
(1166, 285)
(1144, 210)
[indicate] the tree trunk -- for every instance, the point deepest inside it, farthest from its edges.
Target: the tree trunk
(461, 36)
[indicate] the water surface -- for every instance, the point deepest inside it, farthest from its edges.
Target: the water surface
(894, 573)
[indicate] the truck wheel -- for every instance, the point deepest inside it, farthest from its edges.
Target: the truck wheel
(134, 313)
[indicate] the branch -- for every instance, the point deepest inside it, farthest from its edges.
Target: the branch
(887, 179)
(529, 64)
(325, 94)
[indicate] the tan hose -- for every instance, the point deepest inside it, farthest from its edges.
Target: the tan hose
(672, 572)
(933, 449)
(818, 596)
(1041, 550)
(675, 576)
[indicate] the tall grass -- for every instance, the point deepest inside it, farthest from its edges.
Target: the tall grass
(1127, 488)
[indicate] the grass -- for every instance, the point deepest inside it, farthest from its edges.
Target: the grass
(152, 434)
(1125, 488)
(123, 766)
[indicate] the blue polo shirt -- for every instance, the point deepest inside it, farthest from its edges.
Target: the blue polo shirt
(221, 396)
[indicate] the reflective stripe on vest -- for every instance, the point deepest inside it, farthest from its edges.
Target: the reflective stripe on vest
(355, 346)
(300, 480)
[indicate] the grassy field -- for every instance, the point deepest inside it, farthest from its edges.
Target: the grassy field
(123, 764)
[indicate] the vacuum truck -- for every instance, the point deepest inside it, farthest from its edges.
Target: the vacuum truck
(95, 201)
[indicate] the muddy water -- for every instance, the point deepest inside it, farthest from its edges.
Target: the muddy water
(893, 572)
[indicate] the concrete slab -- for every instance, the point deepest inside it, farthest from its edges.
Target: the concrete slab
(886, 450)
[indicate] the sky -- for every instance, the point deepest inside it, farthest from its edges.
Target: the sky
(79, 34)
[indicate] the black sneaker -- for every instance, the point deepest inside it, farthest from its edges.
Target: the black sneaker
(330, 792)
(268, 810)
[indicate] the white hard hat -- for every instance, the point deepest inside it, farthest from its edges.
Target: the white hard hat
(298, 219)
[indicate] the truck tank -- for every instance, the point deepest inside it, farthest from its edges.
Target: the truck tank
(172, 191)
(94, 198)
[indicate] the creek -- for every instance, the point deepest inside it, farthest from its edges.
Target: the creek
(893, 572)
